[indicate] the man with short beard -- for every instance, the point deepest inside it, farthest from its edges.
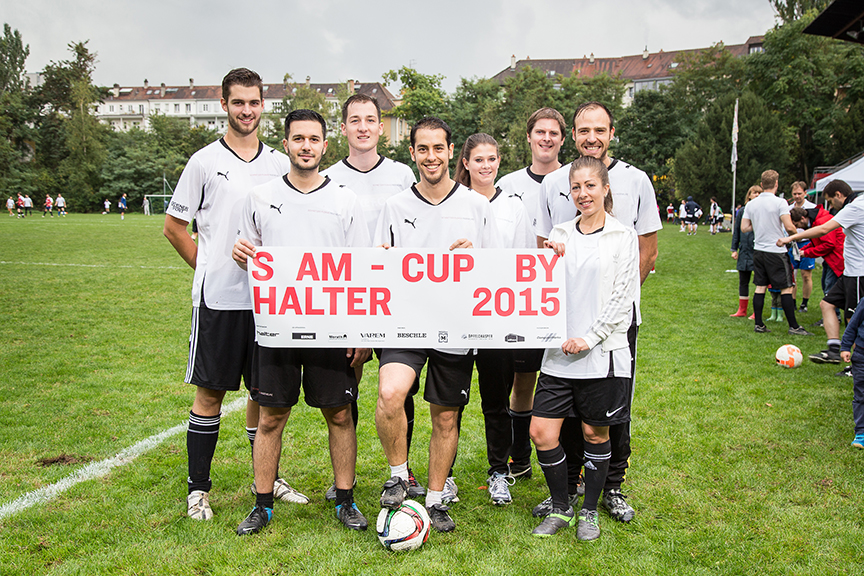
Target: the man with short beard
(211, 189)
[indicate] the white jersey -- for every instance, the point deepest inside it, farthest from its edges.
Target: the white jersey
(373, 187)
(278, 214)
(764, 213)
(524, 185)
(511, 219)
(851, 218)
(211, 190)
(807, 205)
(10, 204)
(634, 202)
(61, 202)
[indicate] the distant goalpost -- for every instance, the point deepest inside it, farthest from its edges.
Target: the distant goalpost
(159, 202)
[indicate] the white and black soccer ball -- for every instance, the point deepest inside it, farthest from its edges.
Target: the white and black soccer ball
(789, 356)
(406, 528)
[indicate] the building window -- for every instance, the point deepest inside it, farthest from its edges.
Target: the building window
(176, 108)
(120, 108)
(111, 108)
(188, 108)
(141, 109)
(756, 49)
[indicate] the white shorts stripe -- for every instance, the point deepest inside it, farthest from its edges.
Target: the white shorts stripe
(193, 345)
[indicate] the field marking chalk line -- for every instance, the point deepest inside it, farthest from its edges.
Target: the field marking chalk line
(93, 265)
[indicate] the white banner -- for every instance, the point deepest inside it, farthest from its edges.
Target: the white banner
(401, 298)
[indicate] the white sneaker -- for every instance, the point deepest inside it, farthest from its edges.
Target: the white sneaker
(283, 491)
(198, 505)
(451, 491)
(499, 488)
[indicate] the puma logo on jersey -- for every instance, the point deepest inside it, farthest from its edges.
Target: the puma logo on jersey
(277, 208)
(411, 222)
(225, 175)
(464, 393)
(519, 196)
(567, 195)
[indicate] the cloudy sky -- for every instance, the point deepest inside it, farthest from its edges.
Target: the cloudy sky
(337, 40)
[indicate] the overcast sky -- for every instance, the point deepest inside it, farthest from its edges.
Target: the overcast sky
(337, 40)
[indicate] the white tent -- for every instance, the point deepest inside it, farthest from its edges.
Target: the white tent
(852, 175)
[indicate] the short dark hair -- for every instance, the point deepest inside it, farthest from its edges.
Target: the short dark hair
(591, 106)
(463, 176)
(835, 186)
(797, 214)
(547, 113)
(241, 77)
(431, 123)
(359, 99)
(599, 168)
(302, 115)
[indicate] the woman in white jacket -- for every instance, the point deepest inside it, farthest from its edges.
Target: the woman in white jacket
(590, 374)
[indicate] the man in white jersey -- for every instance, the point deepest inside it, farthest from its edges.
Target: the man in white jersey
(435, 213)
(374, 179)
(768, 217)
(804, 264)
(546, 130)
(635, 206)
(849, 288)
(303, 208)
(61, 205)
(211, 188)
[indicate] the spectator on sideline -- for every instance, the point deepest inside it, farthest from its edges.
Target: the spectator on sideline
(742, 253)
(805, 264)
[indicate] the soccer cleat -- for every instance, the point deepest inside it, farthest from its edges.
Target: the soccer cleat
(802, 308)
(198, 505)
(440, 519)
(255, 521)
(499, 488)
(282, 491)
(799, 331)
(415, 489)
(589, 525)
(544, 508)
(555, 521)
(518, 471)
(761, 329)
(451, 491)
(847, 371)
(351, 517)
(613, 501)
(858, 441)
(330, 495)
(395, 490)
(825, 357)
(820, 323)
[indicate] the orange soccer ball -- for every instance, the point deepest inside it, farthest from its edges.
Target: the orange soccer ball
(788, 356)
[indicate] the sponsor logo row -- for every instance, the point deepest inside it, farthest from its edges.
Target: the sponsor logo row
(443, 336)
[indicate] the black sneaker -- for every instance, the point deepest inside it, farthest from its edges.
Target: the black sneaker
(520, 471)
(395, 490)
(613, 501)
(802, 308)
(255, 521)
(415, 489)
(819, 323)
(800, 331)
(351, 517)
(825, 357)
(440, 519)
(847, 371)
(544, 508)
(761, 329)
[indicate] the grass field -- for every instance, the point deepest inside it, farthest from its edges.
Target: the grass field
(739, 467)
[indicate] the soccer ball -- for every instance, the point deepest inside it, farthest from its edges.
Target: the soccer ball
(406, 528)
(788, 356)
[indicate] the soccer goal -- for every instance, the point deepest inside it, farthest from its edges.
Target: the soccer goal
(158, 202)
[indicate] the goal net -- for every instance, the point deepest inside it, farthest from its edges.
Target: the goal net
(158, 202)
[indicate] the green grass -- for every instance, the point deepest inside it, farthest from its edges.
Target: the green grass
(739, 467)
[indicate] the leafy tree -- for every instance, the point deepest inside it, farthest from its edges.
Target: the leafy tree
(17, 116)
(13, 54)
(85, 137)
(702, 164)
(791, 10)
(421, 94)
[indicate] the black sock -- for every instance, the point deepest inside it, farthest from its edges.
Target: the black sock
(521, 450)
(201, 438)
(409, 415)
(758, 304)
(596, 467)
(554, 465)
(344, 496)
(804, 302)
(789, 309)
(264, 500)
(834, 348)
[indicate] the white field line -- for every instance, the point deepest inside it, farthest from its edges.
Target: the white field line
(99, 469)
(93, 265)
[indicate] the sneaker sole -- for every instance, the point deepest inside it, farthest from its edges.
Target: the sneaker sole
(821, 360)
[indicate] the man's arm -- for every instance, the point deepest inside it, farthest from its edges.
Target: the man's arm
(647, 255)
(814, 232)
(175, 231)
(786, 219)
(746, 226)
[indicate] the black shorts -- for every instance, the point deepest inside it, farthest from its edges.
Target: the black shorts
(527, 360)
(220, 348)
(596, 401)
(448, 376)
(772, 268)
(326, 375)
(846, 293)
(691, 219)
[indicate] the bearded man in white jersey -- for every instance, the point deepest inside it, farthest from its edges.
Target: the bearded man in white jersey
(374, 179)
(546, 133)
(635, 206)
(435, 213)
(211, 188)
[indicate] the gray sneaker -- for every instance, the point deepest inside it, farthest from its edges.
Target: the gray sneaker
(555, 521)
(544, 508)
(799, 331)
(761, 329)
(499, 488)
(451, 491)
(613, 501)
(589, 525)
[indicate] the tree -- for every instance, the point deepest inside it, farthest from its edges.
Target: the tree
(702, 164)
(13, 54)
(791, 10)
